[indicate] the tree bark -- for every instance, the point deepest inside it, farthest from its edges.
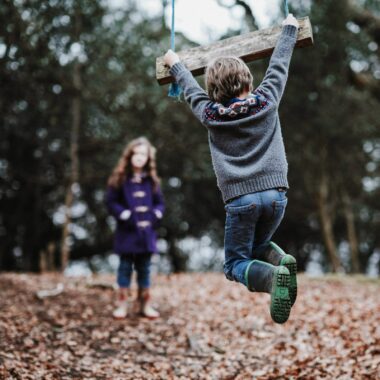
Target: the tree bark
(327, 223)
(351, 232)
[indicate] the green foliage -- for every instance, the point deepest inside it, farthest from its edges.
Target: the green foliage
(329, 115)
(327, 121)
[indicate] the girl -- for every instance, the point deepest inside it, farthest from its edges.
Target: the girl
(135, 200)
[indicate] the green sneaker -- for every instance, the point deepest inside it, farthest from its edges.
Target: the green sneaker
(280, 301)
(290, 262)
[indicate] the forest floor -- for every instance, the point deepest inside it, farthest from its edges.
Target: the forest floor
(209, 328)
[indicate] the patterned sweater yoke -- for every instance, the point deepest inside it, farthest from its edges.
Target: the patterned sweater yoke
(245, 138)
(236, 109)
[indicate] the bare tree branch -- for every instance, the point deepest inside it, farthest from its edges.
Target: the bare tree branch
(249, 16)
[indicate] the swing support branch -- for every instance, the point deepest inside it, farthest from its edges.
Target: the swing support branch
(249, 47)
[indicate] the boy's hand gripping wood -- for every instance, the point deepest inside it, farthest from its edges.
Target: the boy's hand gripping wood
(249, 47)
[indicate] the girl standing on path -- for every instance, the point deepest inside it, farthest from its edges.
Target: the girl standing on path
(135, 200)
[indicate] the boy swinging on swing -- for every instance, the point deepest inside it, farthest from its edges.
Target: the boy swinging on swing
(249, 160)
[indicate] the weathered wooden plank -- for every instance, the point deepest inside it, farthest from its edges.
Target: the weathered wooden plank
(249, 47)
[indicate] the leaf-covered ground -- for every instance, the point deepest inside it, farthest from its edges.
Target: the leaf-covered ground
(210, 329)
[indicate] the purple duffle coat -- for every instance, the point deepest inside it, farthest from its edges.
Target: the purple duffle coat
(138, 196)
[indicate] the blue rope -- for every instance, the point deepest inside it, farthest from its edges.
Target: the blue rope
(175, 90)
(286, 8)
(172, 32)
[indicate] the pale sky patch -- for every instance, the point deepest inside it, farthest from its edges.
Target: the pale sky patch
(204, 21)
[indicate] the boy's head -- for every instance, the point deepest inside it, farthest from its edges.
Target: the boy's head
(227, 78)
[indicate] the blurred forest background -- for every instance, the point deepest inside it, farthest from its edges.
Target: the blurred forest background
(77, 81)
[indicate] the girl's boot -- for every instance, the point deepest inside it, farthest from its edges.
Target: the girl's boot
(274, 255)
(121, 310)
(267, 278)
(146, 309)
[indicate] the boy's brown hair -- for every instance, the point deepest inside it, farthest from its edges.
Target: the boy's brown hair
(227, 78)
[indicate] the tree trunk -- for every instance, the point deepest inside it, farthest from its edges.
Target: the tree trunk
(177, 260)
(43, 261)
(327, 223)
(74, 170)
(351, 232)
(47, 259)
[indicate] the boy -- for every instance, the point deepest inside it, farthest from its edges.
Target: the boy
(249, 161)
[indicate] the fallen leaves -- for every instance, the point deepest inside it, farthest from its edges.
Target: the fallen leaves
(210, 329)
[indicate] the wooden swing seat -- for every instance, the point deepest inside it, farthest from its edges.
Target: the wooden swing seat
(249, 47)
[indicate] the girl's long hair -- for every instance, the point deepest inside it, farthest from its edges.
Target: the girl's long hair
(123, 169)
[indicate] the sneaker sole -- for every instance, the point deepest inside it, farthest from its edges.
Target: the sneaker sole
(280, 301)
(150, 318)
(290, 262)
(119, 318)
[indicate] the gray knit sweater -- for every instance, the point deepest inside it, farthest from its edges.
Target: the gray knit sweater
(245, 139)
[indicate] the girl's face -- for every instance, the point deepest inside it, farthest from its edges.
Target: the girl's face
(139, 157)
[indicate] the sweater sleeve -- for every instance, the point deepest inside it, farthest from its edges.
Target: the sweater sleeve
(274, 82)
(194, 94)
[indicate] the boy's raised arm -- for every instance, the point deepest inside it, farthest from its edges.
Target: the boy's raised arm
(194, 94)
(274, 82)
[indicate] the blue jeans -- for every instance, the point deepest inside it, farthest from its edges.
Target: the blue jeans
(251, 221)
(141, 263)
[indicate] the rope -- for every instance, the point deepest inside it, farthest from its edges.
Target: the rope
(172, 32)
(175, 90)
(286, 7)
